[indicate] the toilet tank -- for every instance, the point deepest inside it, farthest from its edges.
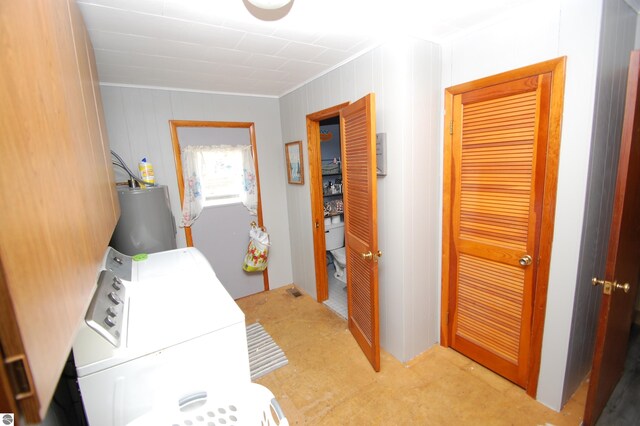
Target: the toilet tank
(334, 235)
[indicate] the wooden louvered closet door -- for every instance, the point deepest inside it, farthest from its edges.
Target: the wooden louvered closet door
(499, 142)
(357, 124)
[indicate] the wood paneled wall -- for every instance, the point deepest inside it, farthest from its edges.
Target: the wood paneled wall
(616, 42)
(138, 124)
(405, 76)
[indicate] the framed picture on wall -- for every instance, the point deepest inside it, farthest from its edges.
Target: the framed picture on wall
(295, 171)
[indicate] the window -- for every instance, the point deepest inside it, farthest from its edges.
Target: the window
(216, 175)
(222, 177)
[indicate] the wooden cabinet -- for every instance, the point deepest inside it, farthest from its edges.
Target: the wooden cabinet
(57, 192)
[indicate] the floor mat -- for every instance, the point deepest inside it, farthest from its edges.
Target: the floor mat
(264, 354)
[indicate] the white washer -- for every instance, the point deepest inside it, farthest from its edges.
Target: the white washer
(168, 333)
(171, 262)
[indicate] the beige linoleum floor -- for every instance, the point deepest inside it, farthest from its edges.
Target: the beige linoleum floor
(328, 381)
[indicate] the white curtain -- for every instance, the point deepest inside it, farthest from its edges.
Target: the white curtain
(250, 195)
(194, 167)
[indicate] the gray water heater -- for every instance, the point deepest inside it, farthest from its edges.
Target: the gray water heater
(146, 224)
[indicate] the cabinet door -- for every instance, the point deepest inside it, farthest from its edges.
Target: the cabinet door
(56, 188)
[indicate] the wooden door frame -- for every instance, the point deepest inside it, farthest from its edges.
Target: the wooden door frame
(317, 205)
(557, 69)
(174, 125)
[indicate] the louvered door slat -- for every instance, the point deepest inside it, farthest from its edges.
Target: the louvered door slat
(489, 123)
(512, 201)
(356, 200)
(514, 101)
(355, 167)
(361, 296)
(490, 309)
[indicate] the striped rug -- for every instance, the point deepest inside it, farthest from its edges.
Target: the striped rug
(264, 354)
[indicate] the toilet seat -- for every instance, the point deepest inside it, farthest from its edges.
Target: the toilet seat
(340, 255)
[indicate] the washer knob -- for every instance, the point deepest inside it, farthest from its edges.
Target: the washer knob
(117, 283)
(109, 321)
(113, 296)
(111, 312)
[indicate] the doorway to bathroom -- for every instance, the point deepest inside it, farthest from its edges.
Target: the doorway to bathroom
(344, 215)
(325, 170)
(333, 207)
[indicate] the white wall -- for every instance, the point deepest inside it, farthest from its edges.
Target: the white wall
(138, 125)
(404, 74)
(533, 34)
(220, 232)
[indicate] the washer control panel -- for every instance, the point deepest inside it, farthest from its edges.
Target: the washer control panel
(106, 311)
(120, 264)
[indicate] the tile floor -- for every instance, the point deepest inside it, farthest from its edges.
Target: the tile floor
(329, 382)
(337, 300)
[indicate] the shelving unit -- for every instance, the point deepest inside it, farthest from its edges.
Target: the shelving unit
(330, 177)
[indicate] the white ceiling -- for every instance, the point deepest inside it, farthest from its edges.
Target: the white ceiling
(219, 46)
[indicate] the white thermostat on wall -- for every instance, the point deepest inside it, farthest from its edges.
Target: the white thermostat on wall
(381, 151)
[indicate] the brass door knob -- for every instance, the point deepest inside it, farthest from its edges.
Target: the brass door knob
(608, 286)
(624, 287)
(371, 256)
(525, 260)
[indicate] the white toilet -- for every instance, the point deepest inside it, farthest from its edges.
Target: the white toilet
(334, 237)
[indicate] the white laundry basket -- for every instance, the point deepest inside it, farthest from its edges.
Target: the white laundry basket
(247, 405)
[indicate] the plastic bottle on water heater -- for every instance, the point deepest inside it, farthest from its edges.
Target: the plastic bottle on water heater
(146, 172)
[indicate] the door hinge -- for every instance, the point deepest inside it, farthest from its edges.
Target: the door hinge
(19, 376)
(451, 127)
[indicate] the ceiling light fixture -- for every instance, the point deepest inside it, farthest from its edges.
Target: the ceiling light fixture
(268, 10)
(269, 4)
